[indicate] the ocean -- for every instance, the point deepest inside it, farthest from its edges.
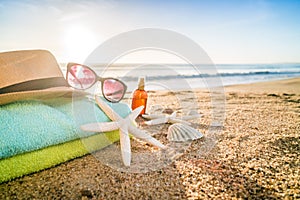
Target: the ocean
(184, 76)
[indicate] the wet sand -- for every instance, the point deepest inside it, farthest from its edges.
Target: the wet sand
(255, 155)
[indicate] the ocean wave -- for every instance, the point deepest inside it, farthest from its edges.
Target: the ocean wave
(235, 74)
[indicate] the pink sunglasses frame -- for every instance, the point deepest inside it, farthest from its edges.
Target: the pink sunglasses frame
(97, 78)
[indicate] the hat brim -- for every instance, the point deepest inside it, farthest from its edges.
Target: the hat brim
(45, 94)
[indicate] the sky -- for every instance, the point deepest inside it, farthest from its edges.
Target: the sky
(253, 31)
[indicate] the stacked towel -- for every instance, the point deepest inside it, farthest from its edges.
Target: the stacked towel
(37, 135)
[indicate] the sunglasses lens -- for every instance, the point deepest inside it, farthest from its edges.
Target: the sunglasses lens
(113, 90)
(80, 77)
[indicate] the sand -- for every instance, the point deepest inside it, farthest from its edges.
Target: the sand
(255, 156)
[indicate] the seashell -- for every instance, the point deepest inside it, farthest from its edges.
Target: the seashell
(153, 116)
(179, 132)
(157, 121)
(192, 114)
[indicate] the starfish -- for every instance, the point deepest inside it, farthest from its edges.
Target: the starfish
(125, 126)
(171, 119)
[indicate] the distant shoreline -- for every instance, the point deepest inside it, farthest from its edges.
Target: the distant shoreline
(161, 77)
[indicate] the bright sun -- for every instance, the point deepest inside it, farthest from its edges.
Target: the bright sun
(79, 42)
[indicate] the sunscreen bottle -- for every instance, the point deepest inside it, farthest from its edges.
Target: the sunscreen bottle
(140, 96)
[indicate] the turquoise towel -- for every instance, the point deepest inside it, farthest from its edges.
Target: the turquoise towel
(31, 125)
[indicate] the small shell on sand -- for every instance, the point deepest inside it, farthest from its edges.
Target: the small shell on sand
(179, 132)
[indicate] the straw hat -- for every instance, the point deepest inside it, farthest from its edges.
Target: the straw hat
(31, 74)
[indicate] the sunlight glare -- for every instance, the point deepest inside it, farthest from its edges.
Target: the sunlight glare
(78, 42)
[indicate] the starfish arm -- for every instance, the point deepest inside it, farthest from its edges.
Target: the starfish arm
(125, 144)
(135, 113)
(107, 109)
(157, 121)
(176, 120)
(191, 115)
(173, 115)
(153, 116)
(141, 134)
(100, 127)
(193, 112)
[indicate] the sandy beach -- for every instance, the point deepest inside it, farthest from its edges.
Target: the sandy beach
(256, 155)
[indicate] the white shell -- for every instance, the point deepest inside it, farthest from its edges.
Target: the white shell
(181, 132)
(192, 114)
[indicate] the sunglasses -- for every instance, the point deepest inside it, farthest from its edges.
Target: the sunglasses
(82, 77)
